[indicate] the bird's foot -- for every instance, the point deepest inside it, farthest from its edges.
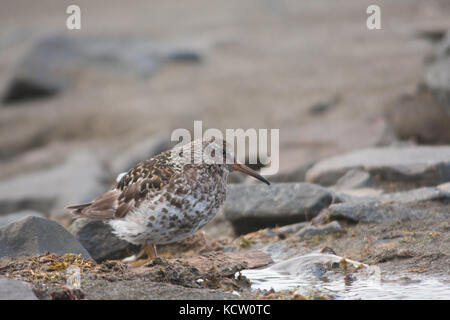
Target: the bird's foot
(140, 263)
(150, 250)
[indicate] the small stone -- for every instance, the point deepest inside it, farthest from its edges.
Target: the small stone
(292, 228)
(355, 178)
(311, 231)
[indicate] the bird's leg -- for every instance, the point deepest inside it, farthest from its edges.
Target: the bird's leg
(150, 250)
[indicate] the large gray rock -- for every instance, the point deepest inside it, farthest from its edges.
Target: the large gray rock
(77, 180)
(250, 207)
(98, 239)
(54, 62)
(414, 204)
(15, 290)
(421, 165)
(32, 236)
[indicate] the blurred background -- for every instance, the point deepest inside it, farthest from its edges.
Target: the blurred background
(79, 106)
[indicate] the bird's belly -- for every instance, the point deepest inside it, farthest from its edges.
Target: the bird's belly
(159, 222)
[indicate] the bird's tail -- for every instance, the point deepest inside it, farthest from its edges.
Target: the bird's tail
(78, 209)
(102, 208)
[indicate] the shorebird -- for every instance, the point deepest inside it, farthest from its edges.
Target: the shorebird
(166, 198)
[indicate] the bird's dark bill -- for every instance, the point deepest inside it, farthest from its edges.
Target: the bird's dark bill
(244, 169)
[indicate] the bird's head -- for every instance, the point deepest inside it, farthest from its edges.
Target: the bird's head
(219, 152)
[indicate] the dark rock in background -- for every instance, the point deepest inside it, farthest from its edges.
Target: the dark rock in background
(250, 207)
(419, 117)
(423, 166)
(324, 106)
(15, 290)
(98, 239)
(52, 64)
(33, 236)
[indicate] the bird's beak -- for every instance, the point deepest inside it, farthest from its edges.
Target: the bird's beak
(243, 168)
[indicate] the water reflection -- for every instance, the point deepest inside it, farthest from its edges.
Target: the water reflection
(345, 279)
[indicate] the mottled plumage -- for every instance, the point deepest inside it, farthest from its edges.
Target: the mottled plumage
(165, 199)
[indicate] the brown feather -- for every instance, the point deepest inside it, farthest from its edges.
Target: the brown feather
(130, 191)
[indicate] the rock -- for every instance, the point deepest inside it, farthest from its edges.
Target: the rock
(251, 207)
(410, 196)
(348, 195)
(396, 206)
(415, 196)
(11, 217)
(32, 236)
(97, 238)
(292, 228)
(77, 180)
(311, 231)
(444, 187)
(424, 165)
(369, 212)
(355, 178)
(420, 118)
(54, 62)
(15, 290)
(434, 34)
